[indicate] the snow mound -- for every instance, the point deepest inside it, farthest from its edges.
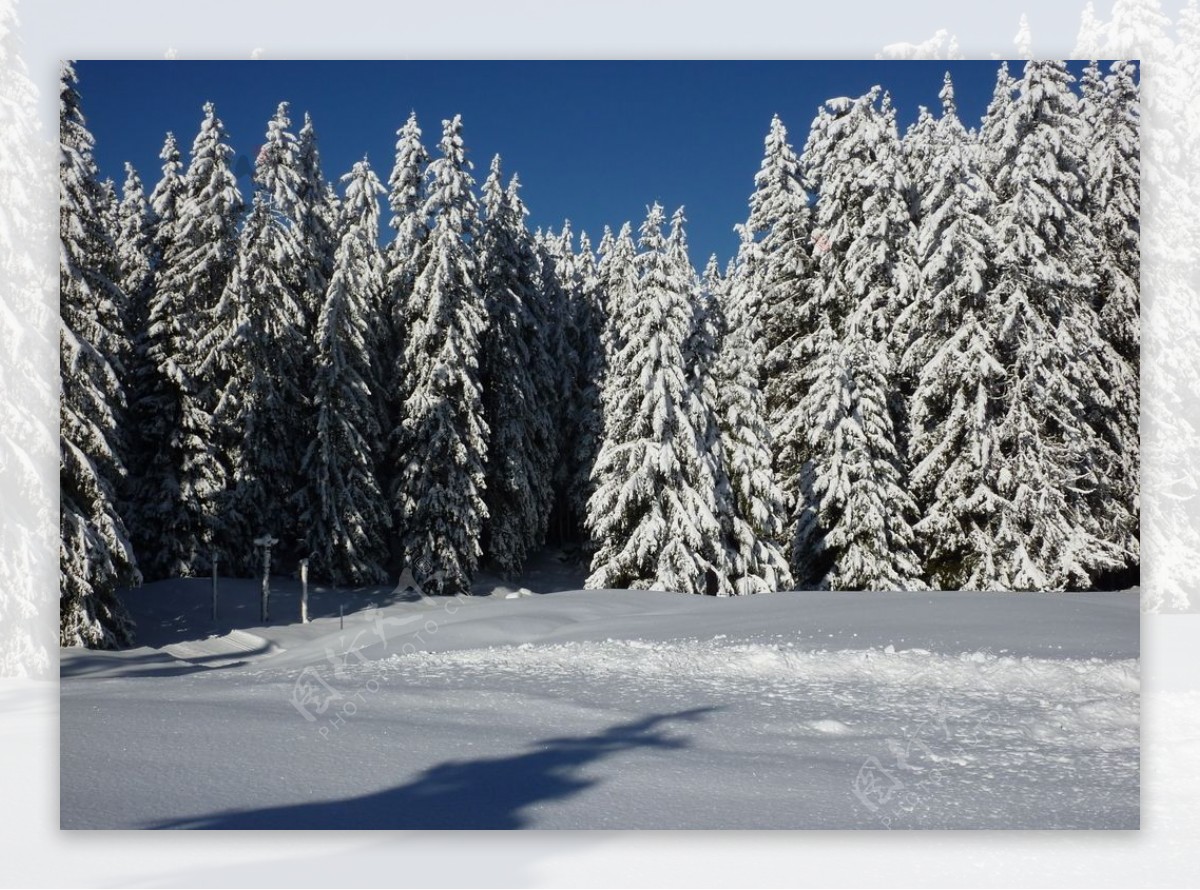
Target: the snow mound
(235, 646)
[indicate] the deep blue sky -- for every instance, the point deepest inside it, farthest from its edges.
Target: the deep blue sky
(595, 142)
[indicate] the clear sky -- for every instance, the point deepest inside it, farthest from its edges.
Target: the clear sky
(593, 142)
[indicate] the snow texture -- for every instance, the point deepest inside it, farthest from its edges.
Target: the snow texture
(611, 709)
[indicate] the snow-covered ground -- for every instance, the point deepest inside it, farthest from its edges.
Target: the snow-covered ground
(607, 709)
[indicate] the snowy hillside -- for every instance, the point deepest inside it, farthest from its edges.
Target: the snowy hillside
(609, 709)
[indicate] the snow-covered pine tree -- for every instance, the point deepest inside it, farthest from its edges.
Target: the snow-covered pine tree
(179, 496)
(752, 505)
(617, 269)
(95, 555)
(406, 200)
(997, 122)
(1049, 341)
(853, 522)
(165, 201)
(152, 488)
(254, 350)
(552, 312)
(439, 490)
(343, 512)
(771, 292)
(578, 318)
(135, 236)
(134, 249)
(316, 219)
(552, 363)
(654, 512)
(954, 448)
(1110, 110)
(588, 425)
(708, 324)
(919, 146)
(519, 417)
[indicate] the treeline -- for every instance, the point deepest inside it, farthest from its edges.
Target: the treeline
(920, 370)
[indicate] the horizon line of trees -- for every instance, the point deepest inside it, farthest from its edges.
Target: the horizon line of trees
(919, 371)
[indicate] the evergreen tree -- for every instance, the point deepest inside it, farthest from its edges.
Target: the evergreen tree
(343, 510)
(753, 507)
(1049, 341)
(406, 200)
(520, 466)
(179, 509)
(442, 434)
(953, 359)
(920, 146)
(619, 278)
(316, 219)
(152, 489)
(165, 202)
(95, 555)
(771, 291)
(576, 288)
(998, 122)
(853, 522)
(553, 315)
(134, 247)
(588, 423)
(254, 351)
(134, 240)
(1110, 111)
(654, 512)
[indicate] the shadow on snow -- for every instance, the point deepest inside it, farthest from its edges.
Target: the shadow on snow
(489, 793)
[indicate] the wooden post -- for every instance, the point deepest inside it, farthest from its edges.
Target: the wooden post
(304, 591)
(214, 590)
(265, 543)
(341, 617)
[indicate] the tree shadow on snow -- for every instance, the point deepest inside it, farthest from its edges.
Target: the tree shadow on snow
(490, 793)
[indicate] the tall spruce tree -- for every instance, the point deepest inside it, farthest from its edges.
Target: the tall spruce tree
(753, 507)
(316, 220)
(95, 555)
(654, 512)
(556, 293)
(1110, 110)
(442, 435)
(135, 236)
(254, 351)
(153, 490)
(344, 515)
(619, 278)
(772, 296)
(588, 423)
(954, 448)
(1049, 342)
(406, 200)
(180, 509)
(853, 522)
(519, 472)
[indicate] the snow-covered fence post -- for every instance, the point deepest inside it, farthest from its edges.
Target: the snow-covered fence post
(214, 590)
(265, 543)
(304, 591)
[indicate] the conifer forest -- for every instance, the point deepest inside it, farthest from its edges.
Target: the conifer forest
(919, 371)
